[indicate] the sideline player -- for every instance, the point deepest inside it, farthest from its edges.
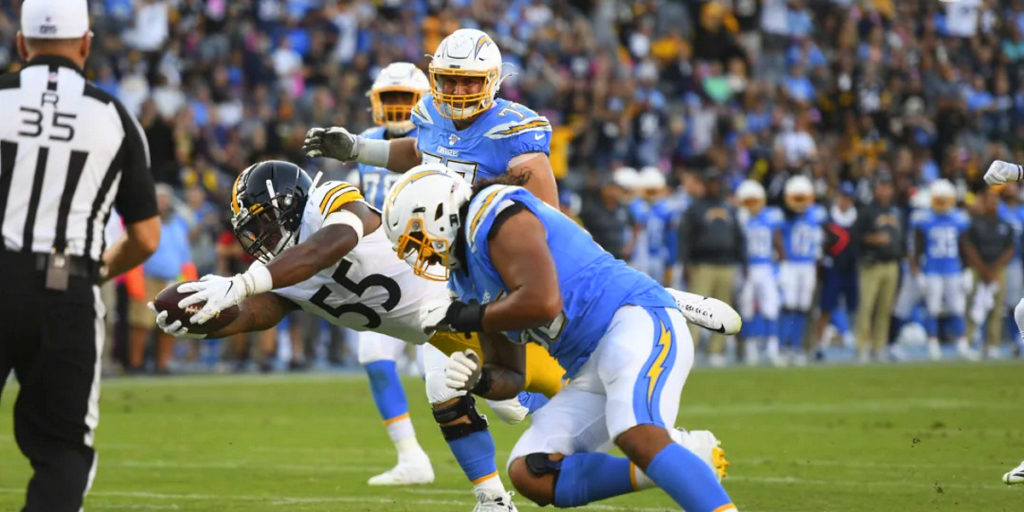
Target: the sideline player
(803, 234)
(759, 296)
(396, 90)
(320, 249)
(523, 270)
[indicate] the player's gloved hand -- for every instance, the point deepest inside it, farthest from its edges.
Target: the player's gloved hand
(451, 316)
(220, 293)
(1001, 172)
(335, 142)
(174, 328)
(462, 370)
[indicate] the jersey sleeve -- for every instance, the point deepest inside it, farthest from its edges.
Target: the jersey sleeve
(330, 196)
(774, 218)
(919, 218)
(520, 130)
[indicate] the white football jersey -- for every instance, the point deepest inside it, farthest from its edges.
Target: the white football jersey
(370, 289)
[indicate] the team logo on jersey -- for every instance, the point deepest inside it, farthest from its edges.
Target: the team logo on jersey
(452, 139)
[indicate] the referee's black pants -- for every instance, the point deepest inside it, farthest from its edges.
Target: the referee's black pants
(53, 341)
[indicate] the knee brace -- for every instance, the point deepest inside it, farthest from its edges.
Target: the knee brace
(465, 406)
(539, 464)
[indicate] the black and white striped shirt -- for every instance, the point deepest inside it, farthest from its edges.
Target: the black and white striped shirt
(68, 153)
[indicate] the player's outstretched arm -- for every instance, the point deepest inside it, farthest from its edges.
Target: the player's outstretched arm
(257, 313)
(520, 254)
(541, 181)
(398, 155)
(330, 243)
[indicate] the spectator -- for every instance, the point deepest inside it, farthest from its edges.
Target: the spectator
(988, 247)
(711, 246)
(604, 215)
(171, 260)
(879, 239)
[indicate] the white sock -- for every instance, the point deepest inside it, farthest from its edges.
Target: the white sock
(400, 428)
(489, 487)
(640, 479)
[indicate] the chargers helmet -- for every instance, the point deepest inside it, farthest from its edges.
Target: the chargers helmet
(943, 195)
(421, 218)
(467, 52)
(751, 196)
(397, 89)
(799, 193)
(267, 200)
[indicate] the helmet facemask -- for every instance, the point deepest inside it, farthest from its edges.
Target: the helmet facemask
(462, 106)
(264, 231)
(392, 107)
(430, 257)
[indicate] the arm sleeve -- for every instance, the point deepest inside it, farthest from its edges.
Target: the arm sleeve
(136, 197)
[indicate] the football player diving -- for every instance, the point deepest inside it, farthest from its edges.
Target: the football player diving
(527, 275)
(319, 248)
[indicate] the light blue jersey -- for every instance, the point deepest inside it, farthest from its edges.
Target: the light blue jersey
(760, 230)
(803, 235)
(593, 283)
(662, 231)
(376, 181)
(941, 239)
(483, 149)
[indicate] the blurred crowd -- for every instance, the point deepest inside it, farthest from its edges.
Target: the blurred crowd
(697, 95)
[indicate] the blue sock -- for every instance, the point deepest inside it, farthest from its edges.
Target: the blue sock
(956, 326)
(799, 327)
(931, 326)
(687, 479)
(532, 401)
(785, 328)
(590, 477)
(841, 320)
(475, 454)
(387, 389)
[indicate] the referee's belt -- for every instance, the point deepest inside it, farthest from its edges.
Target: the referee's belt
(78, 266)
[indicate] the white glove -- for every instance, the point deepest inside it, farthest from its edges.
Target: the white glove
(462, 370)
(433, 313)
(1001, 172)
(335, 142)
(220, 293)
(174, 328)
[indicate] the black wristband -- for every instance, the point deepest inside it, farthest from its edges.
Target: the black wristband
(484, 384)
(466, 317)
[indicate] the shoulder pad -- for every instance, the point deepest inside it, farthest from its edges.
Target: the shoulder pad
(332, 195)
(773, 215)
(421, 112)
(482, 206)
(920, 216)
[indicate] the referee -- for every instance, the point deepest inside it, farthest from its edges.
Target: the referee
(68, 154)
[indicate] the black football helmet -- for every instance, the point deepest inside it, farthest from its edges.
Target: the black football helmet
(267, 200)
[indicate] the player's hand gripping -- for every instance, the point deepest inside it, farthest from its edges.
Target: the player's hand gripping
(218, 292)
(449, 315)
(174, 328)
(462, 370)
(335, 142)
(1001, 172)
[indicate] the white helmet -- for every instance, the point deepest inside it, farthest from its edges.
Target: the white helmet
(626, 177)
(750, 190)
(467, 52)
(651, 178)
(943, 195)
(409, 84)
(799, 193)
(421, 218)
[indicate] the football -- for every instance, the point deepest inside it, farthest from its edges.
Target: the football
(167, 300)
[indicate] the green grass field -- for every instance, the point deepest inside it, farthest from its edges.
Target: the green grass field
(878, 438)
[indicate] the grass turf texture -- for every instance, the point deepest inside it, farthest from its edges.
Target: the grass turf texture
(877, 438)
